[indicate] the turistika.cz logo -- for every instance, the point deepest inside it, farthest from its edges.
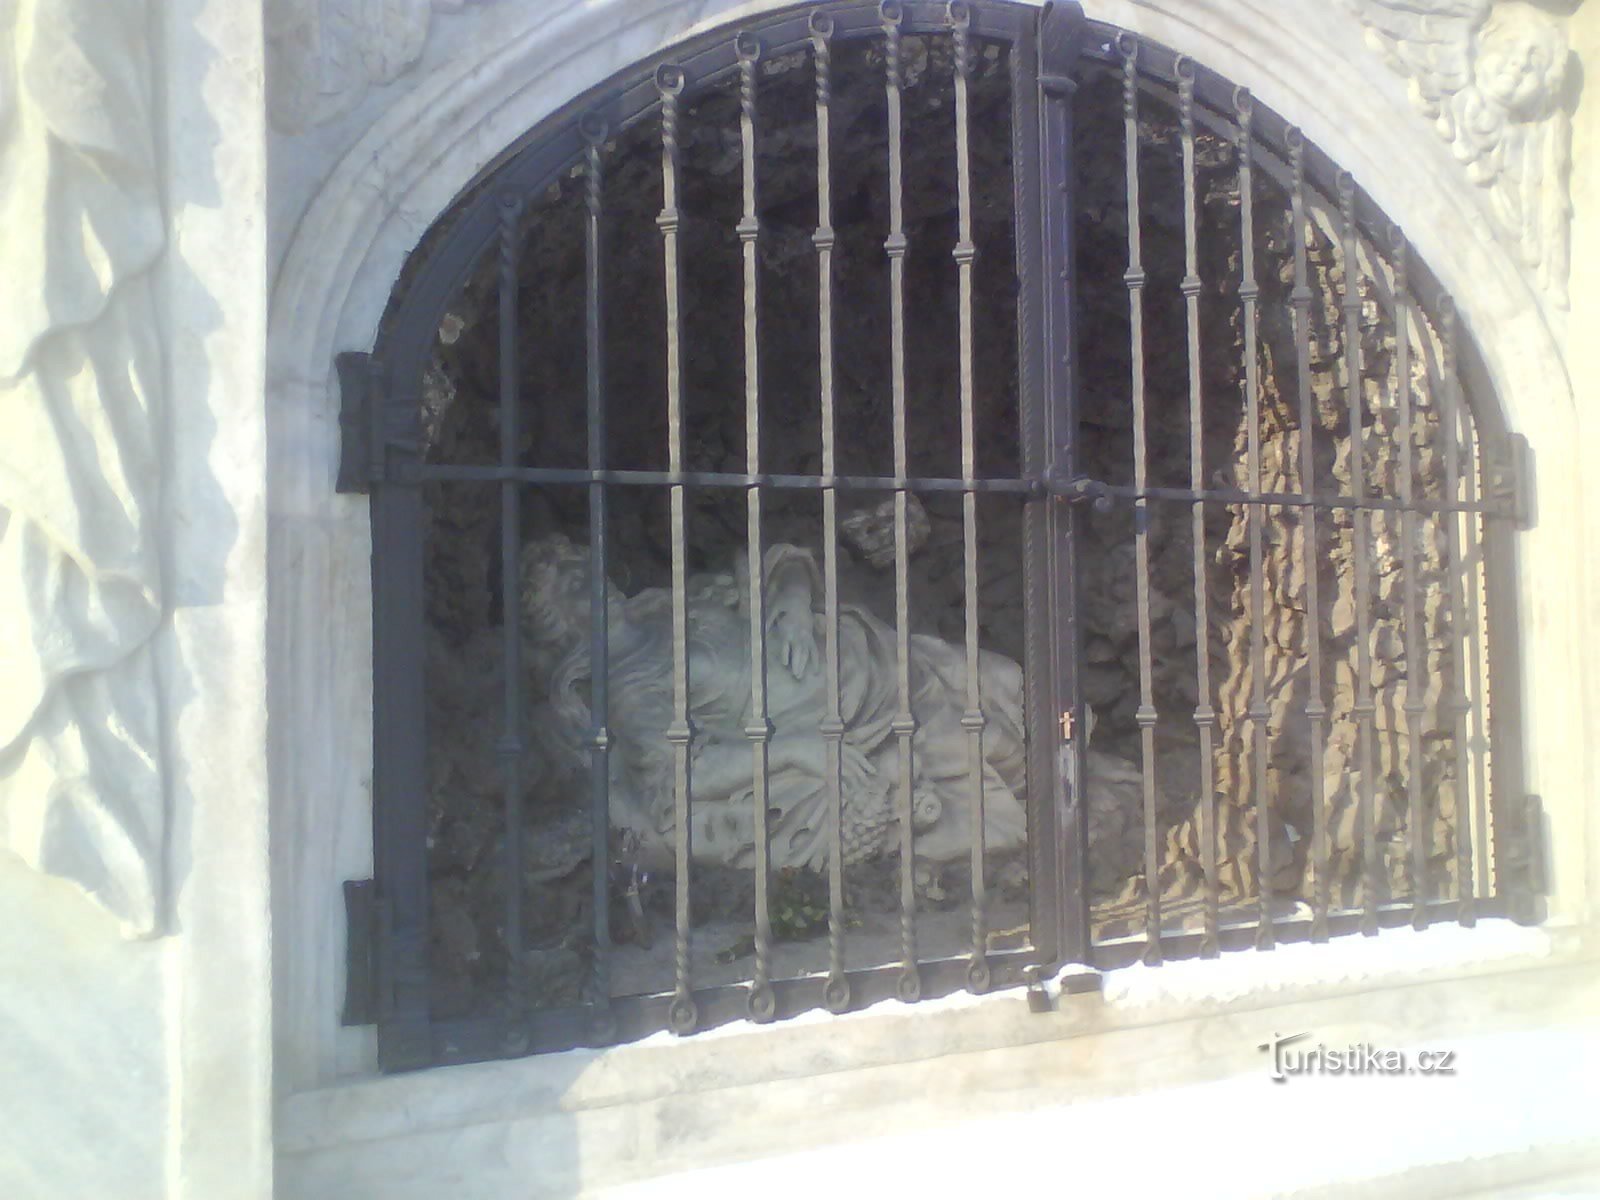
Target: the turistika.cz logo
(1363, 1058)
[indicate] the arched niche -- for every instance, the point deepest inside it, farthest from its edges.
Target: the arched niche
(349, 247)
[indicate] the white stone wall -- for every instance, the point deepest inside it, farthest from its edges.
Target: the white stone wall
(200, 1062)
(140, 1067)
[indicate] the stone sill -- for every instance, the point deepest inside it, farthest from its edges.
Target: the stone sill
(819, 1044)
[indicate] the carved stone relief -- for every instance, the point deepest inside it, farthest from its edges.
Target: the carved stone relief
(323, 55)
(1491, 78)
(81, 374)
(556, 596)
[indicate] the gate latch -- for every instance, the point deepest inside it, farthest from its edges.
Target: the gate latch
(1508, 478)
(1077, 489)
(1038, 997)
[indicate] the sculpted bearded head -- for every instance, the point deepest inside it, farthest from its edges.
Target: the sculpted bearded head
(555, 590)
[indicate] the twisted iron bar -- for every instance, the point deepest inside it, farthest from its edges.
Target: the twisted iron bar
(762, 1002)
(1316, 710)
(1457, 704)
(1205, 716)
(1415, 708)
(1249, 297)
(683, 1014)
(904, 725)
(959, 17)
(1145, 715)
(836, 992)
(1364, 708)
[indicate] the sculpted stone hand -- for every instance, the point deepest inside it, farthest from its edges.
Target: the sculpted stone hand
(791, 638)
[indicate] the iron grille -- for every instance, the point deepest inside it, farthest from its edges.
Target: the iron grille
(1423, 540)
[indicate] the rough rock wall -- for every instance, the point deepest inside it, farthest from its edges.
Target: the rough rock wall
(1111, 620)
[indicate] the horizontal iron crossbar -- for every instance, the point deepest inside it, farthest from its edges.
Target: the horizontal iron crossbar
(442, 473)
(1299, 500)
(1111, 954)
(1086, 490)
(555, 1029)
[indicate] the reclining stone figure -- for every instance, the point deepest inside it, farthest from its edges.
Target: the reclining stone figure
(556, 614)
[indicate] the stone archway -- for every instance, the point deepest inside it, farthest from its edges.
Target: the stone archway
(352, 242)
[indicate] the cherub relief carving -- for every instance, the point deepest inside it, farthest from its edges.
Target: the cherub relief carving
(1491, 77)
(325, 54)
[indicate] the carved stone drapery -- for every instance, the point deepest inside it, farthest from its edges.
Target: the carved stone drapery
(1492, 77)
(325, 54)
(556, 600)
(81, 375)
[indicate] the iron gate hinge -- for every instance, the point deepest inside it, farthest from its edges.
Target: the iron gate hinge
(358, 396)
(1528, 859)
(372, 425)
(361, 904)
(1508, 478)
(1538, 880)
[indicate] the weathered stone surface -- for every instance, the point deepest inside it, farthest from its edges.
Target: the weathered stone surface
(82, 377)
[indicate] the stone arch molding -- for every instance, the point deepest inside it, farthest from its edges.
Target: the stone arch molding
(1477, 176)
(1491, 76)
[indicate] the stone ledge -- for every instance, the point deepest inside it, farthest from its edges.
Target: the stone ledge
(1397, 970)
(1096, 1097)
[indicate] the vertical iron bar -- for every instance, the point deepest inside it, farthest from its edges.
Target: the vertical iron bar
(960, 18)
(1515, 822)
(1415, 707)
(892, 14)
(594, 133)
(1363, 709)
(1316, 711)
(1249, 296)
(1456, 702)
(1475, 818)
(682, 1014)
(836, 993)
(1044, 63)
(1135, 280)
(510, 744)
(400, 744)
(1205, 716)
(763, 1004)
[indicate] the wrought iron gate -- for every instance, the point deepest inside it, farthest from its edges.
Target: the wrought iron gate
(1053, 55)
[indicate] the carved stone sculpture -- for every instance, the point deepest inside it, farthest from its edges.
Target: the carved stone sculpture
(1491, 78)
(325, 54)
(556, 602)
(81, 792)
(872, 530)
